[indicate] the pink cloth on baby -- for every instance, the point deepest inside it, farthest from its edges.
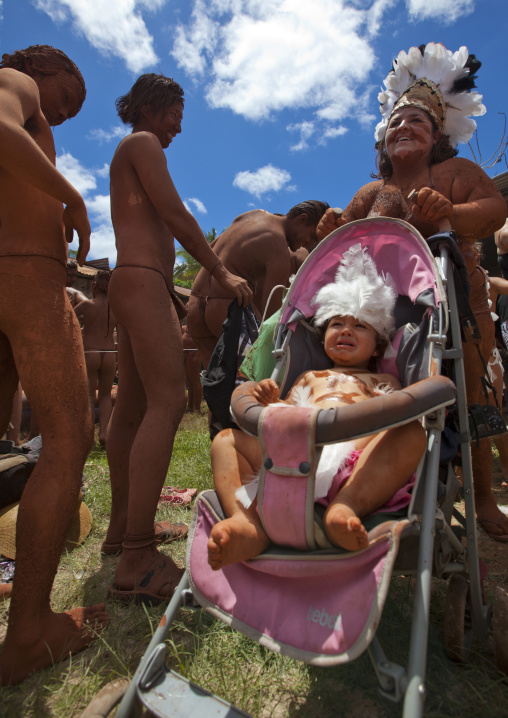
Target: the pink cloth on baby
(399, 500)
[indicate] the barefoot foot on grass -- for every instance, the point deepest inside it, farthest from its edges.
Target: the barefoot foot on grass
(62, 634)
(343, 528)
(235, 539)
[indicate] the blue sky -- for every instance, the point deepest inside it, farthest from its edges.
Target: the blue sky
(280, 95)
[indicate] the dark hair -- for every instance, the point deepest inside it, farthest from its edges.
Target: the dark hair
(101, 280)
(312, 208)
(72, 263)
(441, 151)
(154, 91)
(44, 59)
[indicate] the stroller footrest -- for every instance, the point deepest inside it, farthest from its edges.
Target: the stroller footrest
(176, 697)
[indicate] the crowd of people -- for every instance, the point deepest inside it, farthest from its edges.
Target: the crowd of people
(419, 179)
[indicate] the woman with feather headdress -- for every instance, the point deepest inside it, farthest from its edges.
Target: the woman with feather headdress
(425, 109)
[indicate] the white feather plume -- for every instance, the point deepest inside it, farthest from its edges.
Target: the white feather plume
(358, 291)
(443, 68)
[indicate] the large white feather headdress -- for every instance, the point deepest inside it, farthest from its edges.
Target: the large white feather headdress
(451, 77)
(359, 292)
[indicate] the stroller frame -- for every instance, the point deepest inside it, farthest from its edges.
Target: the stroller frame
(439, 548)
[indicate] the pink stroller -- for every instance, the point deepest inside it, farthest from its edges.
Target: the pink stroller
(303, 597)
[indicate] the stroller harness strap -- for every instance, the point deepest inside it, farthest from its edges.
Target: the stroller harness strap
(286, 483)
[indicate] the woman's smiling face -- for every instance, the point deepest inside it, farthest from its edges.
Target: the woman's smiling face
(410, 132)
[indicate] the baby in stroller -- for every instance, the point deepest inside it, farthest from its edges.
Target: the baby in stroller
(372, 473)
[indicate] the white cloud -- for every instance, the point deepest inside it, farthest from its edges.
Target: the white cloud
(102, 243)
(114, 27)
(102, 240)
(79, 177)
(306, 130)
(273, 54)
(197, 204)
(115, 133)
(99, 208)
(447, 10)
(265, 179)
(332, 132)
(104, 171)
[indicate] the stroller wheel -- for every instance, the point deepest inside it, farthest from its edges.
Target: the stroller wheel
(458, 628)
(500, 628)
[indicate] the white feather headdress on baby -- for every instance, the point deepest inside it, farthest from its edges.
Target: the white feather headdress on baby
(438, 81)
(359, 292)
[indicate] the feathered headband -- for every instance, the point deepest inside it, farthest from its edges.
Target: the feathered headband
(438, 81)
(359, 292)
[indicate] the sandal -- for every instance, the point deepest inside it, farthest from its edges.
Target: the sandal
(497, 537)
(150, 589)
(177, 497)
(180, 492)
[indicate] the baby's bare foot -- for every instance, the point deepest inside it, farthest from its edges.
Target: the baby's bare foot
(343, 528)
(235, 539)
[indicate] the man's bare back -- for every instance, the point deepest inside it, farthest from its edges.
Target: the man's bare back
(258, 246)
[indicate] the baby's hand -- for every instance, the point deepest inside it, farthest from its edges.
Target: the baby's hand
(266, 392)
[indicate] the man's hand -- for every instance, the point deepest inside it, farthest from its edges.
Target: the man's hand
(233, 283)
(266, 392)
(75, 217)
(329, 222)
(431, 206)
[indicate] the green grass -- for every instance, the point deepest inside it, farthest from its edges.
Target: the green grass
(206, 651)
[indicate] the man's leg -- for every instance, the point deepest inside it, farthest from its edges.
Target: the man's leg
(148, 315)
(8, 383)
(49, 357)
(236, 457)
(92, 360)
(489, 515)
(106, 377)
(15, 420)
(127, 415)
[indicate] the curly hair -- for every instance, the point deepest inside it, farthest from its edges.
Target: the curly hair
(441, 151)
(45, 59)
(157, 92)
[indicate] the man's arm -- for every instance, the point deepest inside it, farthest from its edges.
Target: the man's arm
(22, 157)
(149, 161)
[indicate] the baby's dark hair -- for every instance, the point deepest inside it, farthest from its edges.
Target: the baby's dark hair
(101, 280)
(157, 92)
(44, 59)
